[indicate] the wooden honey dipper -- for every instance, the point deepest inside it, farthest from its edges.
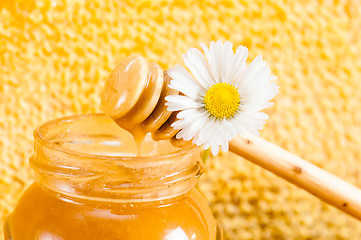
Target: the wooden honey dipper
(134, 97)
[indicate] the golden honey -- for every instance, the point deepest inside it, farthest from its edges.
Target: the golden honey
(91, 185)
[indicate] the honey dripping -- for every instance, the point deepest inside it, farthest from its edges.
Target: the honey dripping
(134, 97)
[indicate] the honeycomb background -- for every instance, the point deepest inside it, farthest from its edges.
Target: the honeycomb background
(55, 56)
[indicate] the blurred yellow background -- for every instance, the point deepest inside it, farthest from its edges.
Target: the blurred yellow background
(55, 56)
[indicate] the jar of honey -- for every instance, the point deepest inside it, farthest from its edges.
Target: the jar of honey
(91, 184)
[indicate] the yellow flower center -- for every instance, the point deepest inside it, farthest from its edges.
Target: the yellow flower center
(222, 100)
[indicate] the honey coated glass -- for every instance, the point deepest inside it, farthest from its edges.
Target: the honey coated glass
(91, 185)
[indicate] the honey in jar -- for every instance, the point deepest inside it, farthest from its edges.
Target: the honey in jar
(90, 184)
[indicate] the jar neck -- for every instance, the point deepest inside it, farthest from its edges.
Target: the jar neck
(81, 157)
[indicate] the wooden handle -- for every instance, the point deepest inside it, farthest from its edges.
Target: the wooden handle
(303, 174)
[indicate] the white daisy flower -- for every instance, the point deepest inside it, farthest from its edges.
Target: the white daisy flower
(223, 96)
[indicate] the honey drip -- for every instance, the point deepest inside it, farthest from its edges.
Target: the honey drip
(138, 133)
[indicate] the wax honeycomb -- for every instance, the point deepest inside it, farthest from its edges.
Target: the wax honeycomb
(56, 54)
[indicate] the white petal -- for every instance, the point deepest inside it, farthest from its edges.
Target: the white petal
(237, 125)
(216, 139)
(180, 134)
(226, 130)
(215, 150)
(190, 114)
(226, 63)
(199, 67)
(229, 129)
(225, 146)
(255, 66)
(189, 131)
(263, 93)
(239, 64)
(256, 99)
(206, 131)
(179, 102)
(212, 60)
(197, 125)
(183, 82)
(249, 123)
(188, 134)
(211, 140)
(208, 141)
(192, 123)
(179, 124)
(218, 58)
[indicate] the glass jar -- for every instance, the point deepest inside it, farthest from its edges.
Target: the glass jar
(91, 185)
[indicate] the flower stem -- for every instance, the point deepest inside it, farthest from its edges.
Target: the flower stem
(205, 155)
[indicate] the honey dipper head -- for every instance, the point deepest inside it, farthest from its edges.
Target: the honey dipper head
(134, 96)
(124, 86)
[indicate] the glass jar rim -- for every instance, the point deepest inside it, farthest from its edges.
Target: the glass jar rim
(60, 166)
(39, 137)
